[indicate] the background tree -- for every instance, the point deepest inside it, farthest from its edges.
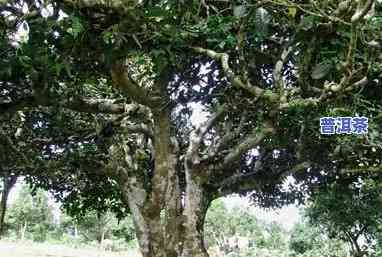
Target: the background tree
(309, 240)
(101, 226)
(349, 213)
(276, 236)
(223, 224)
(31, 215)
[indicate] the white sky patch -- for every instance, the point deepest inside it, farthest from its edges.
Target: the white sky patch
(21, 36)
(198, 114)
(47, 11)
(290, 181)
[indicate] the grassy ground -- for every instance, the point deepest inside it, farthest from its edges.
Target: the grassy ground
(11, 249)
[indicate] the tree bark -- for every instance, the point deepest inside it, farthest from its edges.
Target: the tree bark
(165, 226)
(8, 183)
(197, 202)
(168, 219)
(23, 230)
(156, 210)
(162, 236)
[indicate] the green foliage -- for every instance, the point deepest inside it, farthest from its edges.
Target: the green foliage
(308, 240)
(100, 226)
(223, 225)
(30, 216)
(289, 63)
(220, 28)
(349, 212)
(76, 27)
(276, 237)
(267, 239)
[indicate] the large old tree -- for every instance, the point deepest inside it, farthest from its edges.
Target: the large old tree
(107, 90)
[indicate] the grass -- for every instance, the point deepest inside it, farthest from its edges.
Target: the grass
(29, 249)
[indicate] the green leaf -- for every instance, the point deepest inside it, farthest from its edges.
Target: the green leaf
(107, 37)
(76, 28)
(156, 12)
(25, 61)
(58, 67)
(231, 41)
(292, 11)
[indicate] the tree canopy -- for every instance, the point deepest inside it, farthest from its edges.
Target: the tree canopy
(97, 97)
(349, 212)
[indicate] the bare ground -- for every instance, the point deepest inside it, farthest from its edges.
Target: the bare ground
(11, 249)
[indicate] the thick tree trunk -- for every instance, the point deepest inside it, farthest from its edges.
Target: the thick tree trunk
(190, 244)
(156, 211)
(8, 183)
(196, 205)
(164, 226)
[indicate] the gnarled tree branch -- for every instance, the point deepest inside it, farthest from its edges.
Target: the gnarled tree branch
(103, 4)
(80, 104)
(196, 137)
(234, 79)
(363, 8)
(250, 142)
(123, 81)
